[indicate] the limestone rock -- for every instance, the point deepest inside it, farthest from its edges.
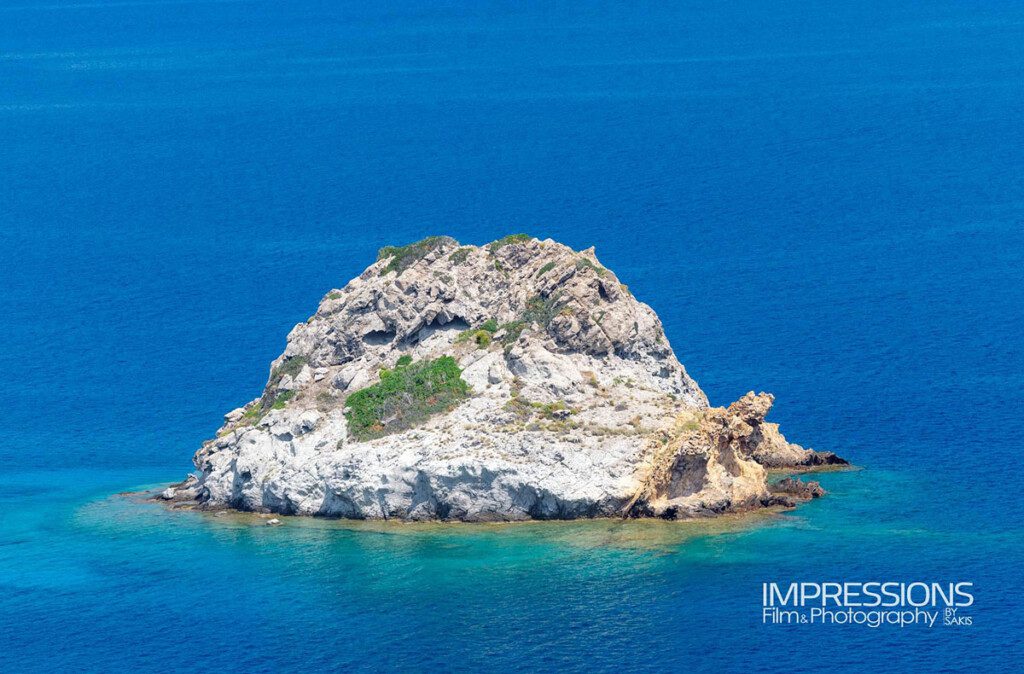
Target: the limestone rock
(798, 488)
(766, 445)
(578, 406)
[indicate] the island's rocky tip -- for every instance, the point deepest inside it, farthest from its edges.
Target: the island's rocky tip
(520, 379)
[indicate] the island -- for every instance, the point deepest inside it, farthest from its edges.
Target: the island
(516, 380)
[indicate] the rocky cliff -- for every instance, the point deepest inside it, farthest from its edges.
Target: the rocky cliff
(516, 380)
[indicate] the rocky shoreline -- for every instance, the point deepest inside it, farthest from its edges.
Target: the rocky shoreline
(784, 494)
(518, 380)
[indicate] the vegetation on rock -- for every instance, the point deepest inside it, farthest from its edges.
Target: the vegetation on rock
(525, 409)
(403, 257)
(459, 256)
(511, 330)
(541, 310)
(495, 246)
(585, 263)
(405, 397)
(481, 336)
(282, 399)
(290, 367)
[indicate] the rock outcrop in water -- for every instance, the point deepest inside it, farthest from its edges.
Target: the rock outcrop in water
(510, 381)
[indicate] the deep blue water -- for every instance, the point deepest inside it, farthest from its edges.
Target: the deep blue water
(823, 199)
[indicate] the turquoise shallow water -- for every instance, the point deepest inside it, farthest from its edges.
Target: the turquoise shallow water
(821, 200)
(106, 582)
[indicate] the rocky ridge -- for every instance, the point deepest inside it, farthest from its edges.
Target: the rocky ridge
(510, 381)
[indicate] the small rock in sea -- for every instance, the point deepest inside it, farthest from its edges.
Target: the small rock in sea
(168, 494)
(516, 380)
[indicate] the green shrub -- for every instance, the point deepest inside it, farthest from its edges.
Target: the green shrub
(520, 407)
(481, 337)
(547, 410)
(335, 295)
(525, 409)
(403, 257)
(459, 256)
(512, 331)
(545, 269)
(585, 263)
(495, 246)
(541, 310)
(403, 361)
(282, 399)
(268, 402)
(291, 367)
(404, 397)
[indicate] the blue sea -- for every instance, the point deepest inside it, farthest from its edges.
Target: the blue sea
(824, 200)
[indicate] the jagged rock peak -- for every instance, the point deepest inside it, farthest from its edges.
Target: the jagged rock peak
(413, 293)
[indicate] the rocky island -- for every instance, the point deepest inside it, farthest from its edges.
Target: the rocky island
(510, 381)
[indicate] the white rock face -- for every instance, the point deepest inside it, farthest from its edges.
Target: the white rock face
(586, 412)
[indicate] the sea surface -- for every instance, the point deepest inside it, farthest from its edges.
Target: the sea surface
(824, 200)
